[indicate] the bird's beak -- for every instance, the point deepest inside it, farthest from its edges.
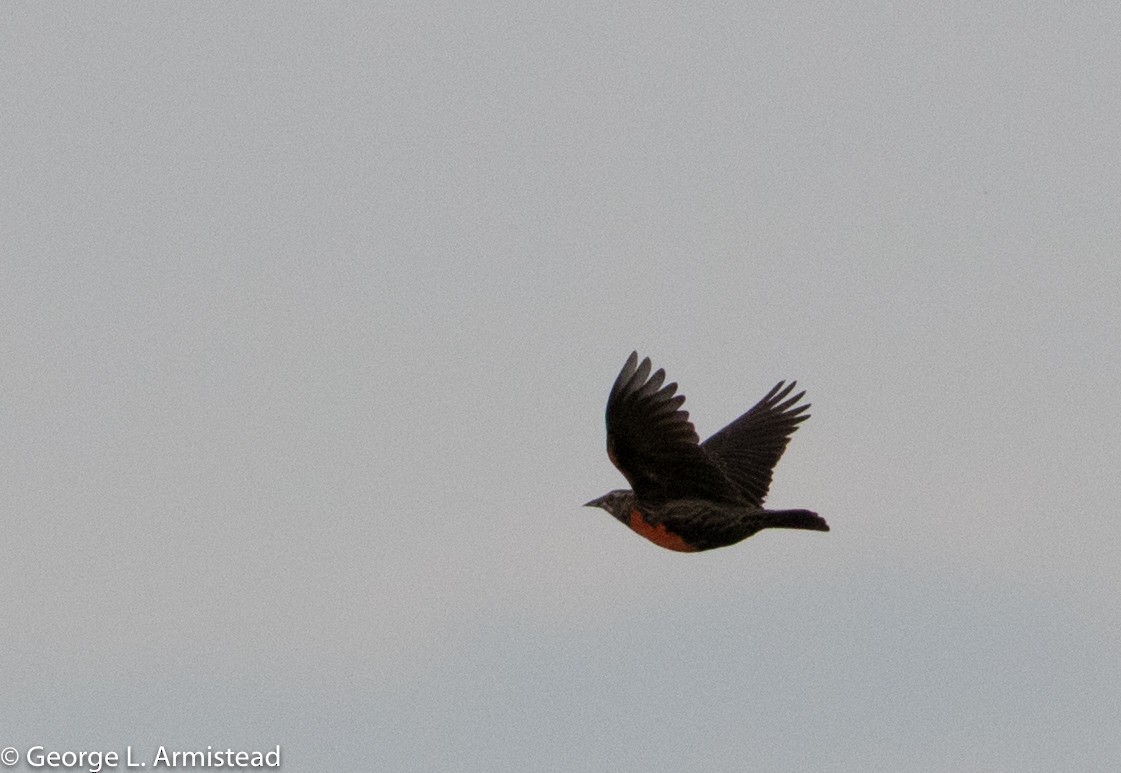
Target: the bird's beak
(593, 503)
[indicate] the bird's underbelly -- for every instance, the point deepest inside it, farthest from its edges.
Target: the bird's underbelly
(659, 535)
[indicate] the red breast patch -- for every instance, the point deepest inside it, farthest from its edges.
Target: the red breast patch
(659, 535)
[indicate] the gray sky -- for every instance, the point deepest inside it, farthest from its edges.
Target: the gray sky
(309, 317)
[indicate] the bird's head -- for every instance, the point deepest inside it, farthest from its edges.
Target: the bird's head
(619, 503)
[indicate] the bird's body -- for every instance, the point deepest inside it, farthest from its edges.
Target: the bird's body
(687, 495)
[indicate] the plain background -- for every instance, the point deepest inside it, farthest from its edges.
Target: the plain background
(308, 315)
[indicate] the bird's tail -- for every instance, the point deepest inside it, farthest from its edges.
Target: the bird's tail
(795, 519)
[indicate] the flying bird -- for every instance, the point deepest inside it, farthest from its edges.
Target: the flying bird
(687, 495)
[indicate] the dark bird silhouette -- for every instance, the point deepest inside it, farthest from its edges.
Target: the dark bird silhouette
(686, 495)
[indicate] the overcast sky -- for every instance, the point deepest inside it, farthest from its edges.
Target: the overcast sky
(308, 317)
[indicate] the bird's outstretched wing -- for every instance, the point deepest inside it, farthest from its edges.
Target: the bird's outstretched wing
(748, 448)
(653, 443)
